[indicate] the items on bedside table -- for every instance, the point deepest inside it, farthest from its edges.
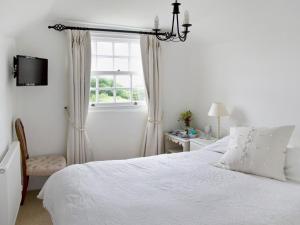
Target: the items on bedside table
(206, 133)
(186, 117)
(188, 133)
(176, 142)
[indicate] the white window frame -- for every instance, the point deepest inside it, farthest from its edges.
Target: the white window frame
(115, 38)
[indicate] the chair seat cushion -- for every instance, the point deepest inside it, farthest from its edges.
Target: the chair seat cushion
(45, 165)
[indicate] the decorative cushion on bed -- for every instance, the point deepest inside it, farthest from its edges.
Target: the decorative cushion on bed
(45, 165)
(292, 165)
(259, 151)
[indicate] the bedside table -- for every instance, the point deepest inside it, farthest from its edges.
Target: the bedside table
(199, 143)
(174, 144)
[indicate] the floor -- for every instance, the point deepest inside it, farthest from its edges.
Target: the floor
(32, 212)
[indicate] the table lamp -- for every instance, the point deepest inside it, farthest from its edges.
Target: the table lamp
(218, 110)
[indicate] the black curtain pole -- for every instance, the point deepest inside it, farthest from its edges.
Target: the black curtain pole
(61, 27)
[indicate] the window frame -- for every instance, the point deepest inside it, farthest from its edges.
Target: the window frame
(115, 38)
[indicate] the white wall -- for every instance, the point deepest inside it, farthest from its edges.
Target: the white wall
(41, 108)
(6, 94)
(116, 134)
(256, 77)
(177, 81)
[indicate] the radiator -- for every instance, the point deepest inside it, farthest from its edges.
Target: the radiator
(10, 185)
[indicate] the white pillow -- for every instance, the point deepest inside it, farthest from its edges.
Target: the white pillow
(292, 165)
(259, 151)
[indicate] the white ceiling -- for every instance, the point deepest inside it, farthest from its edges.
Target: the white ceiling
(211, 19)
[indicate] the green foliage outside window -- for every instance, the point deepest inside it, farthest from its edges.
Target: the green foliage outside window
(106, 95)
(105, 83)
(93, 82)
(93, 96)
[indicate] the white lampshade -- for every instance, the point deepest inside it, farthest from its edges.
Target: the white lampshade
(217, 109)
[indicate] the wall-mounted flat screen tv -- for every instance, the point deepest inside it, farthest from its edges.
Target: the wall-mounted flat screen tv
(31, 71)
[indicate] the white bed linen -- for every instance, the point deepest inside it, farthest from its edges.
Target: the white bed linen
(177, 189)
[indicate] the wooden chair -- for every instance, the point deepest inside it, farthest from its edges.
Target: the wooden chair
(44, 165)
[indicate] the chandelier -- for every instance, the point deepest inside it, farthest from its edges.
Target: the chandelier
(175, 34)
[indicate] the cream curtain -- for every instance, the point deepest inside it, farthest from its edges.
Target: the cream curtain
(79, 84)
(153, 141)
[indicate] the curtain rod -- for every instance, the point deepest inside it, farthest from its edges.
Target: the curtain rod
(61, 27)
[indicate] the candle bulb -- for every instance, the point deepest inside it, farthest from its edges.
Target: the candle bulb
(156, 22)
(186, 17)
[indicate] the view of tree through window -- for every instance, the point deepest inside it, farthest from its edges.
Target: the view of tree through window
(116, 76)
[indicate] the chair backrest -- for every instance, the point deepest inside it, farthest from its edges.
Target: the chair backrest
(23, 144)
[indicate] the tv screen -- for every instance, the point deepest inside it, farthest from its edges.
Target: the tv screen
(31, 71)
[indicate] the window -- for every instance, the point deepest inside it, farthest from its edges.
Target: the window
(117, 75)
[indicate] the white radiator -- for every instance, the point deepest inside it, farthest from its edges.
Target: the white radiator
(10, 185)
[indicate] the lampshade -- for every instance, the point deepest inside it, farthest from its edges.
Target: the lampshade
(217, 109)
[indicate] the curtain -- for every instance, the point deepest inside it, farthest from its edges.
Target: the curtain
(79, 86)
(153, 139)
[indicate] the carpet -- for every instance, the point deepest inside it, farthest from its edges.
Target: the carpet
(32, 212)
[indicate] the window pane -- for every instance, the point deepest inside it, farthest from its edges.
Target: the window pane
(93, 96)
(93, 66)
(116, 55)
(138, 81)
(104, 48)
(121, 64)
(123, 81)
(121, 49)
(138, 94)
(135, 49)
(136, 64)
(94, 47)
(104, 64)
(122, 95)
(105, 81)
(106, 96)
(93, 82)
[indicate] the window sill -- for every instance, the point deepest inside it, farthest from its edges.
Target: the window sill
(118, 108)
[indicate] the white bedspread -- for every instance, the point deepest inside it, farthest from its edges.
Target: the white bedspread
(177, 189)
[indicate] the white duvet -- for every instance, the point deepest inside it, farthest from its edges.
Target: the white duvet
(177, 189)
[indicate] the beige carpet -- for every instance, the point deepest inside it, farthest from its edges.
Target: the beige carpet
(32, 212)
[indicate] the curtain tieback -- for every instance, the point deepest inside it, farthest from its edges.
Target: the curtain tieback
(82, 129)
(154, 121)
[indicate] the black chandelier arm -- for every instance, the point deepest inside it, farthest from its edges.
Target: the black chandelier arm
(185, 32)
(165, 37)
(181, 37)
(173, 21)
(162, 37)
(168, 35)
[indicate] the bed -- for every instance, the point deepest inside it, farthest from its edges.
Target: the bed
(177, 189)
